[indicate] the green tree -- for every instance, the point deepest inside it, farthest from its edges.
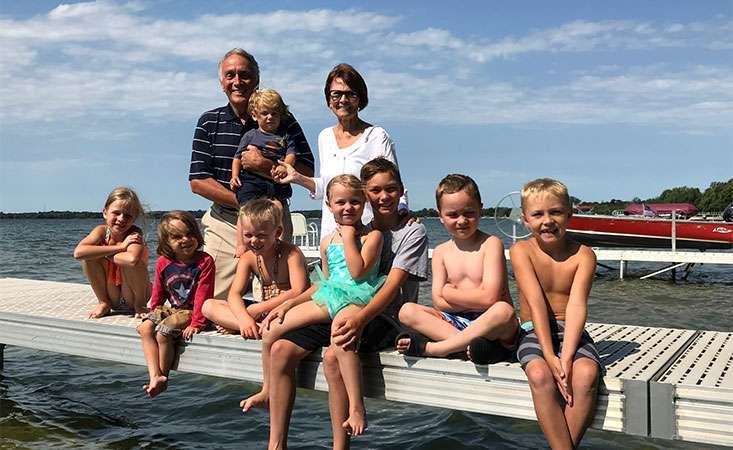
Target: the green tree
(610, 206)
(681, 194)
(717, 196)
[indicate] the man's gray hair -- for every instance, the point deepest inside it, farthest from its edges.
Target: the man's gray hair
(244, 54)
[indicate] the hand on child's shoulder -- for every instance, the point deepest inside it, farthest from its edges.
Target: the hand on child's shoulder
(418, 229)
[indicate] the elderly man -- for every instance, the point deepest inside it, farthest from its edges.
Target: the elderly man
(215, 141)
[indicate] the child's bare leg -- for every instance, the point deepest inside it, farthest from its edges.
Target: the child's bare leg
(497, 322)
(284, 359)
(301, 315)
(262, 397)
(546, 399)
(152, 358)
(221, 315)
(350, 367)
(136, 287)
(96, 272)
(338, 400)
(166, 353)
(584, 381)
(425, 320)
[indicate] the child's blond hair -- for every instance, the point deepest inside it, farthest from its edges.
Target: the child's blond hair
(129, 197)
(349, 182)
(164, 232)
(262, 212)
(545, 186)
(266, 99)
(456, 182)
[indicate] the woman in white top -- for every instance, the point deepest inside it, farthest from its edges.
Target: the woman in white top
(347, 146)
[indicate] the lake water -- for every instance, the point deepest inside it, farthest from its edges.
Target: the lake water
(50, 401)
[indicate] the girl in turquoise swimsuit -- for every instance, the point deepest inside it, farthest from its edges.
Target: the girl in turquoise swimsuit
(348, 282)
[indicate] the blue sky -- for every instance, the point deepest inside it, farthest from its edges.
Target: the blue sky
(618, 99)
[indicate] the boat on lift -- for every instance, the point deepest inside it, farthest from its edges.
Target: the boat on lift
(652, 226)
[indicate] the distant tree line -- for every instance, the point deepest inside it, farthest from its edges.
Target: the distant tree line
(80, 214)
(715, 198)
(310, 214)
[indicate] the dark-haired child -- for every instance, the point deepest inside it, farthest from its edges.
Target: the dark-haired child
(184, 275)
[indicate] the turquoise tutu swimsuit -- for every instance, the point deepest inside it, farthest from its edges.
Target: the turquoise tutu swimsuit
(340, 289)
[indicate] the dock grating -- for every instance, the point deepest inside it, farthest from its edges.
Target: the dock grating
(698, 386)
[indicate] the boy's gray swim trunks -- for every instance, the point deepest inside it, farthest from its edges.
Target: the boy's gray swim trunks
(529, 345)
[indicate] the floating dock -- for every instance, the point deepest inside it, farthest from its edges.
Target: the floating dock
(660, 382)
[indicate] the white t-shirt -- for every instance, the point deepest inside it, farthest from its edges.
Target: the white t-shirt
(334, 161)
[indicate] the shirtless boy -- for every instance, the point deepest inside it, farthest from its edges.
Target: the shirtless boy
(470, 296)
(554, 277)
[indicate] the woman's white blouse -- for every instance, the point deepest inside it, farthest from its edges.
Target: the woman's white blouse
(373, 143)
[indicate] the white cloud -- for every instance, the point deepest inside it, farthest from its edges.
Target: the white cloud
(112, 60)
(578, 36)
(697, 98)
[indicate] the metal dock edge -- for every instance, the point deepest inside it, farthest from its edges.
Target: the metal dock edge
(693, 399)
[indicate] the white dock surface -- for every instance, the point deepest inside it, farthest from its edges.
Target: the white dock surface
(699, 386)
(643, 365)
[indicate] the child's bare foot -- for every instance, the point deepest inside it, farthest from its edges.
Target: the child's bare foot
(403, 345)
(157, 386)
(258, 400)
(356, 423)
(101, 310)
(411, 343)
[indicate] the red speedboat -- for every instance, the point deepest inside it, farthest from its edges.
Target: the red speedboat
(649, 232)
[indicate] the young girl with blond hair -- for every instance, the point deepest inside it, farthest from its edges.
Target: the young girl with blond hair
(114, 257)
(348, 282)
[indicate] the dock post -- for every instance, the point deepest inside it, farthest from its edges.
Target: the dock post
(688, 269)
(674, 232)
(2, 356)
(621, 268)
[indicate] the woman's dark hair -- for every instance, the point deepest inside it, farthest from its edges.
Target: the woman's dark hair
(352, 78)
